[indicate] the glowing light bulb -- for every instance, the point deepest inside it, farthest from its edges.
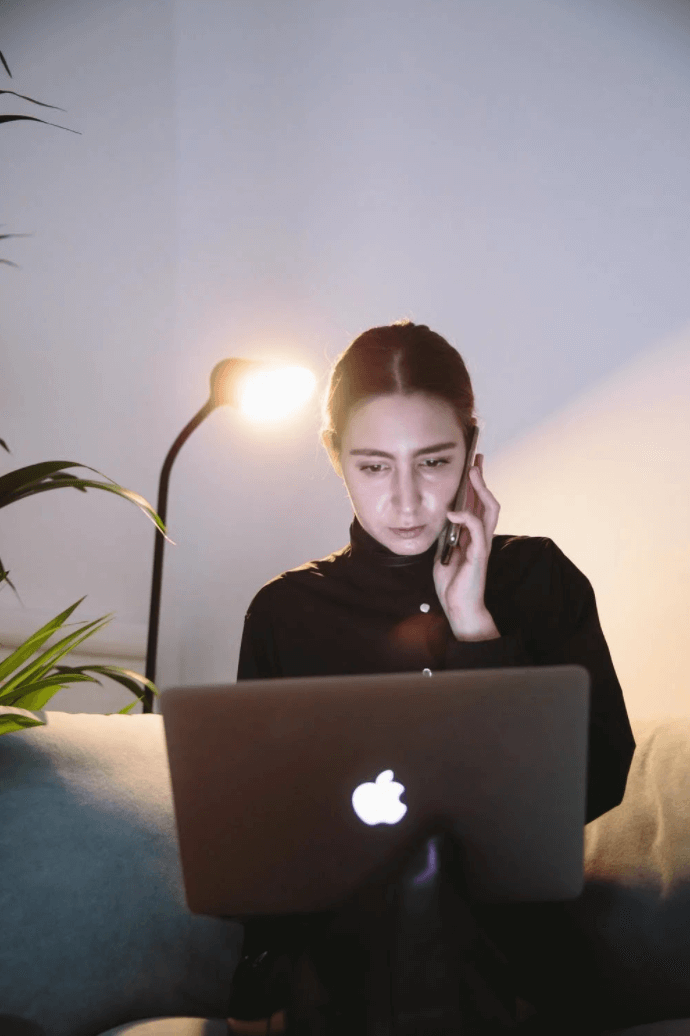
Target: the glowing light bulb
(268, 394)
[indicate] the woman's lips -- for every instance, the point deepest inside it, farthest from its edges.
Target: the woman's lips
(409, 534)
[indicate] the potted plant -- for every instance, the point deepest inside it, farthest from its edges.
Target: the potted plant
(28, 683)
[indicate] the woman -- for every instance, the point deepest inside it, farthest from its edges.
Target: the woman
(398, 415)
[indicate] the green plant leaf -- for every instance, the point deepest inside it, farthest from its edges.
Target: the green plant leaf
(40, 478)
(32, 100)
(127, 677)
(6, 66)
(35, 641)
(18, 719)
(42, 691)
(65, 674)
(35, 473)
(36, 669)
(127, 708)
(5, 446)
(126, 494)
(32, 118)
(5, 578)
(8, 262)
(39, 693)
(60, 480)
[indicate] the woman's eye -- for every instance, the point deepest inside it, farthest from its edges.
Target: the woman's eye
(437, 462)
(431, 464)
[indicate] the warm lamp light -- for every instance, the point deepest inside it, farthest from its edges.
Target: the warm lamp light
(265, 395)
(262, 392)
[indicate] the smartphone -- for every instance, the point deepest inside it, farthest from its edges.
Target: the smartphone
(451, 533)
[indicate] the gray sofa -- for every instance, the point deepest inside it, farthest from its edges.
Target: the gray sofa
(97, 938)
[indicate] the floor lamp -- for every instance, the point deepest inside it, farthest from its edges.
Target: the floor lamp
(257, 389)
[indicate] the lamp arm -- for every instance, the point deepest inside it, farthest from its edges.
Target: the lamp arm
(157, 576)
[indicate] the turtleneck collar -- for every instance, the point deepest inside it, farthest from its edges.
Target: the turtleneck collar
(364, 546)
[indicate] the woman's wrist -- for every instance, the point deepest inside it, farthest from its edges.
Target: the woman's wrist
(479, 627)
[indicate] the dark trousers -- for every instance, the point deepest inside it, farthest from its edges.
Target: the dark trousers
(551, 962)
(411, 954)
(404, 956)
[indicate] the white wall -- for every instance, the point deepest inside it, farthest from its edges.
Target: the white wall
(608, 479)
(513, 175)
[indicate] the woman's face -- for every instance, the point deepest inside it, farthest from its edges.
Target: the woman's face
(402, 458)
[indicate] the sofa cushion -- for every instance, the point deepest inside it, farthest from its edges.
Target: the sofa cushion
(96, 930)
(675, 1027)
(172, 1027)
(635, 907)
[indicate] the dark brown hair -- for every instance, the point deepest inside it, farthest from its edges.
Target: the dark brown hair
(396, 359)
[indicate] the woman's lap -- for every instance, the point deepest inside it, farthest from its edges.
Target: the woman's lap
(542, 957)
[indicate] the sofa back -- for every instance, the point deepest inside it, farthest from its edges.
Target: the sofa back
(96, 930)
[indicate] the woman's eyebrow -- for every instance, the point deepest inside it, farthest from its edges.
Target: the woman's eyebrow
(418, 453)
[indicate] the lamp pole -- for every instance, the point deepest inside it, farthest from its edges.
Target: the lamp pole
(225, 378)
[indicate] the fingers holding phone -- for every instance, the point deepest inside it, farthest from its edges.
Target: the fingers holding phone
(474, 503)
(484, 503)
(461, 581)
(480, 500)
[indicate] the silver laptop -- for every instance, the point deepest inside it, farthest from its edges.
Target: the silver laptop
(289, 794)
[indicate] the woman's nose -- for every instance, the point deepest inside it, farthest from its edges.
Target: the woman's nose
(406, 494)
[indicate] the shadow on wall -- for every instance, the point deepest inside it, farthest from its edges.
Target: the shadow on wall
(608, 479)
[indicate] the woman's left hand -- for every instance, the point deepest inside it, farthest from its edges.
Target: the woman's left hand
(460, 584)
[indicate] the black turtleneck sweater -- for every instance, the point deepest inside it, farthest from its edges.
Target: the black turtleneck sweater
(365, 609)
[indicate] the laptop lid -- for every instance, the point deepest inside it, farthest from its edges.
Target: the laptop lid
(289, 794)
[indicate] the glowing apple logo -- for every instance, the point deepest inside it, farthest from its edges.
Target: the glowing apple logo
(379, 802)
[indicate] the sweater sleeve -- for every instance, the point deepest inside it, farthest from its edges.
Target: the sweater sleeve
(502, 652)
(549, 617)
(570, 633)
